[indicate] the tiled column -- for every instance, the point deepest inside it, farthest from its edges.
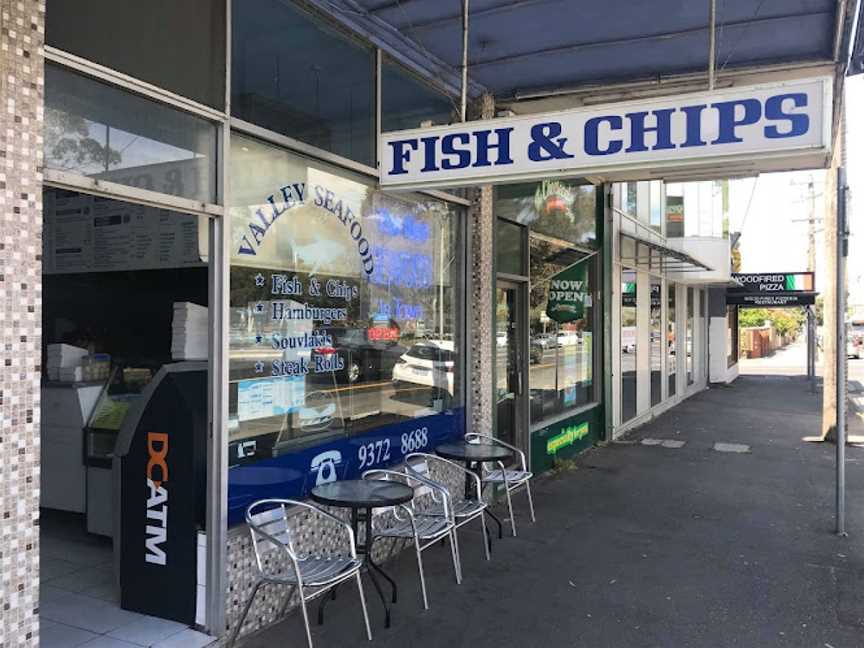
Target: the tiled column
(482, 267)
(21, 94)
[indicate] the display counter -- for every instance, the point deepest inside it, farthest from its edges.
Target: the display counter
(66, 408)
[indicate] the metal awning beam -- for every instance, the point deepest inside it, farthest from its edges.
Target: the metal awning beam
(667, 253)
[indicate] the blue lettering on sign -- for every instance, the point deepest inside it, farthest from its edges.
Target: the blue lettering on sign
(729, 121)
(592, 135)
(662, 129)
(798, 123)
(294, 474)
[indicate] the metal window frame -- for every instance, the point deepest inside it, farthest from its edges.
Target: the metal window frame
(113, 77)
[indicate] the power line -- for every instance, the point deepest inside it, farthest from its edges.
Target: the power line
(749, 203)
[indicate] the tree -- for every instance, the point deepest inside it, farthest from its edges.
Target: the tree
(68, 144)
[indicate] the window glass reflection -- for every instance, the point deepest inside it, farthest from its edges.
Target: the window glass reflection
(628, 344)
(657, 346)
(689, 342)
(344, 322)
(671, 325)
(508, 248)
(559, 208)
(179, 46)
(407, 102)
(97, 130)
(295, 75)
(561, 319)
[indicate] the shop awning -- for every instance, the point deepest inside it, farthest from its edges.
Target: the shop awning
(527, 48)
(647, 252)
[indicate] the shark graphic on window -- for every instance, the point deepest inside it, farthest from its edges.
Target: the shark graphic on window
(320, 253)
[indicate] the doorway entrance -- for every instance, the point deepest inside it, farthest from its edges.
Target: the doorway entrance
(511, 363)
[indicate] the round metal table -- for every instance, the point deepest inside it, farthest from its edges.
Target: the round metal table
(361, 496)
(474, 455)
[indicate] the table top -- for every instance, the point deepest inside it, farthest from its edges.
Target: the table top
(462, 451)
(362, 493)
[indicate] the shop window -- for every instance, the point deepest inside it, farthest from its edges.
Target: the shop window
(407, 102)
(346, 347)
(657, 345)
(629, 349)
(100, 131)
(671, 330)
(148, 40)
(509, 254)
(562, 325)
(674, 210)
(656, 206)
(732, 335)
(563, 209)
(630, 198)
(690, 311)
(295, 75)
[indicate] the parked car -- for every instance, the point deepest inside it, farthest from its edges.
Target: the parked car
(429, 363)
(355, 357)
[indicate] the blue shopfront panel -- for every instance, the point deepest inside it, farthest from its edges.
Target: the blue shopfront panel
(293, 474)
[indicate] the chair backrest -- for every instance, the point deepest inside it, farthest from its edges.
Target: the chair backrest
(270, 530)
(439, 470)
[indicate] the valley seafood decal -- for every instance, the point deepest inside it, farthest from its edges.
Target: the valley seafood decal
(294, 195)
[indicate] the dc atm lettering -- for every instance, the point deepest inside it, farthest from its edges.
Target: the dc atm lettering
(157, 499)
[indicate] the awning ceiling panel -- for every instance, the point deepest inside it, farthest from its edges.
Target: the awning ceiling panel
(525, 45)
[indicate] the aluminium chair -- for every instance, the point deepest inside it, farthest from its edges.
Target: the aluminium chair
(408, 522)
(512, 479)
(279, 561)
(459, 482)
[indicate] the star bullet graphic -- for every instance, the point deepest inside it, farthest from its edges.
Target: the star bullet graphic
(258, 339)
(259, 280)
(259, 308)
(259, 367)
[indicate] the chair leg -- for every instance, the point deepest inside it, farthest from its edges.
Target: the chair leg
(510, 508)
(485, 535)
(422, 577)
(305, 618)
(246, 608)
(363, 605)
(530, 500)
(457, 560)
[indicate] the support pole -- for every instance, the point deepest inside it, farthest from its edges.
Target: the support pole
(811, 348)
(464, 99)
(840, 312)
(712, 41)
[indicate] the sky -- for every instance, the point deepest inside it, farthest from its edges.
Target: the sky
(771, 211)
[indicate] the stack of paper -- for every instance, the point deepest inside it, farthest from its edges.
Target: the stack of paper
(64, 359)
(189, 332)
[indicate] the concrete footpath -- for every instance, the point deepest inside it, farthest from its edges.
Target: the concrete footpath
(646, 544)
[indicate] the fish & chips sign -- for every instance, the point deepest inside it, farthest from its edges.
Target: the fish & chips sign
(776, 120)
